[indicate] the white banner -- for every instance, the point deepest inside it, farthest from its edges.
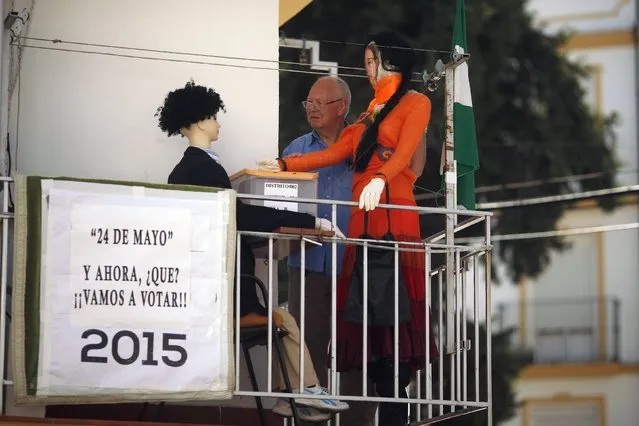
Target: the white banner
(134, 268)
(134, 293)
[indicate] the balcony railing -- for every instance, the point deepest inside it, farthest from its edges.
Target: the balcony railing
(565, 330)
(456, 383)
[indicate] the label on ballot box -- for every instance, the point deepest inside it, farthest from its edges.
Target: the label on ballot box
(277, 189)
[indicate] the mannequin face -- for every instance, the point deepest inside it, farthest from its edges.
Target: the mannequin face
(210, 127)
(371, 66)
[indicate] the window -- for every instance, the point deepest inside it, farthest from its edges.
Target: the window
(565, 413)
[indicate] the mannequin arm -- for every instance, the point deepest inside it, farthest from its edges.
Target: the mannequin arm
(266, 219)
(334, 154)
(410, 137)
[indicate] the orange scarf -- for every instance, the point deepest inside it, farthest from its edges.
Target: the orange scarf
(384, 89)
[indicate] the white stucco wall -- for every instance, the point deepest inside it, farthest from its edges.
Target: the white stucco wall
(612, 88)
(573, 279)
(584, 15)
(575, 273)
(619, 393)
(614, 91)
(88, 115)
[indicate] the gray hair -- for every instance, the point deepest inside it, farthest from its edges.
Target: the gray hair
(343, 86)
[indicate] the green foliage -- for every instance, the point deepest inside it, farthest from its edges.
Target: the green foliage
(531, 116)
(507, 360)
(506, 363)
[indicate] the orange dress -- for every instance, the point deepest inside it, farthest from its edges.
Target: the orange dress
(399, 135)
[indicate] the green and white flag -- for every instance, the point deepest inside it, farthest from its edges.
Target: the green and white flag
(464, 120)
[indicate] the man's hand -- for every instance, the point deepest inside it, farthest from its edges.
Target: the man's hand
(369, 199)
(270, 165)
(326, 225)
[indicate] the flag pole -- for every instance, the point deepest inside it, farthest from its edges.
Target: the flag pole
(450, 177)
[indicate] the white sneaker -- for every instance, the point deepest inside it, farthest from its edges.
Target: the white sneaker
(321, 404)
(283, 408)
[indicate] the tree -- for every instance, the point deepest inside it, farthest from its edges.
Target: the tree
(506, 363)
(531, 116)
(507, 360)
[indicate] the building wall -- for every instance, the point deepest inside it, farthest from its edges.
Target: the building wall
(600, 267)
(610, 89)
(614, 396)
(290, 8)
(87, 115)
(586, 16)
(597, 265)
(604, 41)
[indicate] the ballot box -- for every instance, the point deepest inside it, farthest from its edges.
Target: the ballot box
(279, 184)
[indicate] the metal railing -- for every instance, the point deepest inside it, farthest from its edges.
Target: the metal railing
(457, 381)
(565, 330)
(5, 315)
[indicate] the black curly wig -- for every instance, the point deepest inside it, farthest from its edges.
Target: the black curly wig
(188, 105)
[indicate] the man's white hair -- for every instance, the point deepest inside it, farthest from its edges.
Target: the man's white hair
(343, 86)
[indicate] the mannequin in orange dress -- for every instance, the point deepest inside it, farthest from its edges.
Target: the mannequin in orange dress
(382, 143)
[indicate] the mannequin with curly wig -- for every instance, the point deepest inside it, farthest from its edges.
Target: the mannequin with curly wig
(192, 112)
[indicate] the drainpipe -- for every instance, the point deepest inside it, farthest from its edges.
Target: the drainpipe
(635, 37)
(4, 97)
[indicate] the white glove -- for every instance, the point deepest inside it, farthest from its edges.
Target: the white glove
(326, 225)
(272, 165)
(371, 194)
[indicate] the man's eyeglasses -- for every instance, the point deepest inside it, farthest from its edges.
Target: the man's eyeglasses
(318, 104)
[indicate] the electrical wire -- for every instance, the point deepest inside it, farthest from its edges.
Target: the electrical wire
(174, 52)
(184, 61)
(555, 198)
(431, 194)
(563, 179)
(353, 43)
(54, 41)
(121, 55)
(112, 54)
(13, 77)
(555, 233)
(528, 183)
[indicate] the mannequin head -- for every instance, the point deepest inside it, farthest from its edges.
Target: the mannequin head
(192, 112)
(387, 53)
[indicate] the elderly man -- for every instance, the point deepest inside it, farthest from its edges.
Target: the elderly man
(326, 106)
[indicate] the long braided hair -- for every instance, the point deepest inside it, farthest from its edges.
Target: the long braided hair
(394, 54)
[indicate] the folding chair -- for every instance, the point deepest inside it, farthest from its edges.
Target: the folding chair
(257, 335)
